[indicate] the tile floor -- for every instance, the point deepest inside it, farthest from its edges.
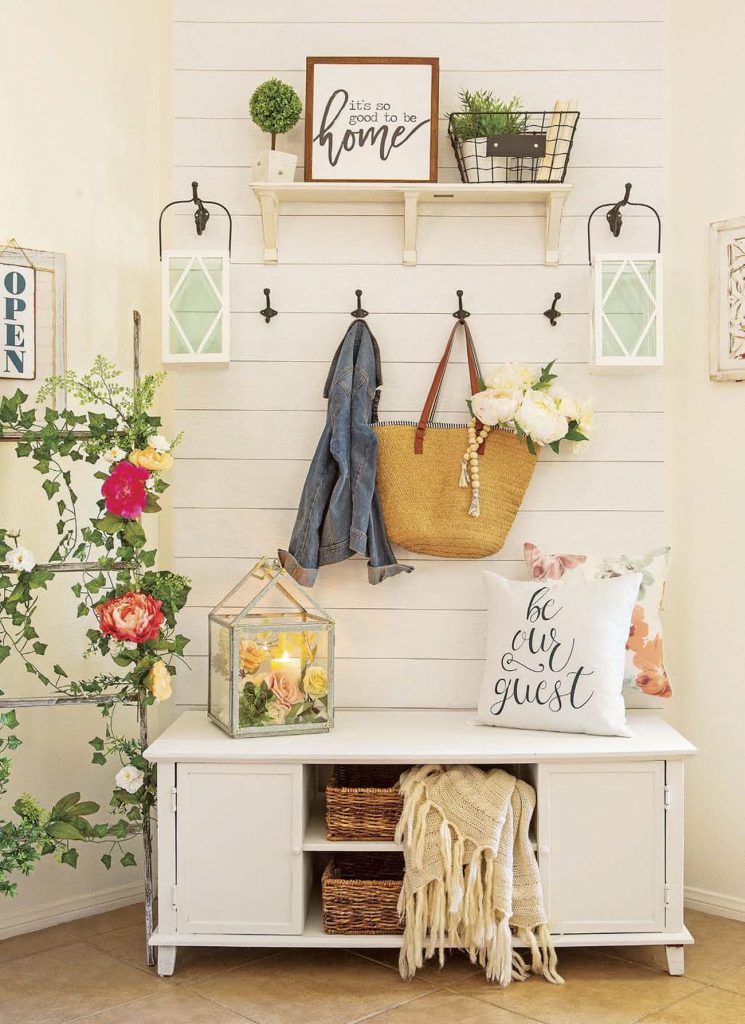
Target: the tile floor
(92, 970)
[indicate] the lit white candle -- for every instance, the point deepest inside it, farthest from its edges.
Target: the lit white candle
(291, 667)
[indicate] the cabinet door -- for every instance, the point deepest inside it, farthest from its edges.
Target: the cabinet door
(601, 846)
(239, 863)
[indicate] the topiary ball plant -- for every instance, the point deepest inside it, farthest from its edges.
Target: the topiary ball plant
(275, 107)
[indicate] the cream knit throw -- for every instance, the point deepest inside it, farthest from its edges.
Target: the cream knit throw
(471, 874)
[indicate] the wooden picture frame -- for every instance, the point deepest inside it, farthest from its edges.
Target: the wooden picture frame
(375, 128)
(726, 304)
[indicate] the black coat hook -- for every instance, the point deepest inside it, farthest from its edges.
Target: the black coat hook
(460, 313)
(615, 218)
(359, 313)
(553, 313)
(268, 312)
(201, 215)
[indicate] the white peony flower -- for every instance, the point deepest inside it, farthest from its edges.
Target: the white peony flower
(150, 483)
(585, 419)
(495, 405)
(540, 418)
(159, 443)
(129, 778)
(568, 405)
(113, 454)
(276, 713)
(512, 377)
(21, 559)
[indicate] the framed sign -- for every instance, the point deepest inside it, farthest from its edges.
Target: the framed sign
(32, 300)
(727, 300)
(18, 305)
(371, 118)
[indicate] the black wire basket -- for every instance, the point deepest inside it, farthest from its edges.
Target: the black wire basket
(514, 146)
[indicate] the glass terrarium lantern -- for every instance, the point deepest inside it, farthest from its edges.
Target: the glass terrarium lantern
(271, 657)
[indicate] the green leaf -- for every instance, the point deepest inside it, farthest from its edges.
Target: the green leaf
(50, 488)
(109, 523)
(64, 804)
(134, 534)
(98, 759)
(106, 861)
(531, 446)
(128, 860)
(9, 719)
(70, 857)
(38, 647)
(554, 446)
(4, 652)
(86, 807)
(96, 743)
(63, 830)
(60, 671)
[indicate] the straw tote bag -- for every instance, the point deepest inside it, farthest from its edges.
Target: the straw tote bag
(424, 508)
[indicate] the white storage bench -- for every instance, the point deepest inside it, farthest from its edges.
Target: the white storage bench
(239, 821)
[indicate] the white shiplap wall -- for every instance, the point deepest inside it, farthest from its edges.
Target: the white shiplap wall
(416, 640)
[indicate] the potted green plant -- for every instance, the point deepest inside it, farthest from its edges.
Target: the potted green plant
(275, 108)
(484, 115)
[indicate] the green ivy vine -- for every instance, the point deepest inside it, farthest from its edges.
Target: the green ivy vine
(114, 432)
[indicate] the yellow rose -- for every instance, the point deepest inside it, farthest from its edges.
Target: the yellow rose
(250, 655)
(148, 458)
(159, 681)
(315, 682)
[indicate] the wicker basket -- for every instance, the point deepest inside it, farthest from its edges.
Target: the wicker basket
(363, 802)
(359, 894)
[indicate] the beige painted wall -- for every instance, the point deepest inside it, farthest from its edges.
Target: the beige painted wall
(705, 158)
(81, 113)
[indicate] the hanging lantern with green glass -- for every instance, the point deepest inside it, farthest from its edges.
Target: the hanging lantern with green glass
(627, 311)
(196, 307)
(196, 293)
(627, 299)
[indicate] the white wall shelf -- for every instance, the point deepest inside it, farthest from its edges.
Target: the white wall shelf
(271, 196)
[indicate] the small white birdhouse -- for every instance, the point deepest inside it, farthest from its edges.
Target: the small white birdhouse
(196, 307)
(627, 312)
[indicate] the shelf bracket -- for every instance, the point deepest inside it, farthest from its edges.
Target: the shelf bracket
(554, 207)
(269, 224)
(411, 215)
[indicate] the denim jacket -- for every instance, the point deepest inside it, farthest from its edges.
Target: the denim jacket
(340, 511)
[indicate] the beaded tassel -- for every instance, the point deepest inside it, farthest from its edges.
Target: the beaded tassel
(470, 466)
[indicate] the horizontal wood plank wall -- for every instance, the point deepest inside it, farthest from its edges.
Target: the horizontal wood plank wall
(251, 429)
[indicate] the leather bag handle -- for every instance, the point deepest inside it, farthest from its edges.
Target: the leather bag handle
(430, 404)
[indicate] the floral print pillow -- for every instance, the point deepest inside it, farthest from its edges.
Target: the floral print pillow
(645, 667)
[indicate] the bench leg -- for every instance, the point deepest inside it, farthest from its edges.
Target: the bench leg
(166, 960)
(675, 960)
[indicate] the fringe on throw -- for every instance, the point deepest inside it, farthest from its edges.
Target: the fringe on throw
(459, 909)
